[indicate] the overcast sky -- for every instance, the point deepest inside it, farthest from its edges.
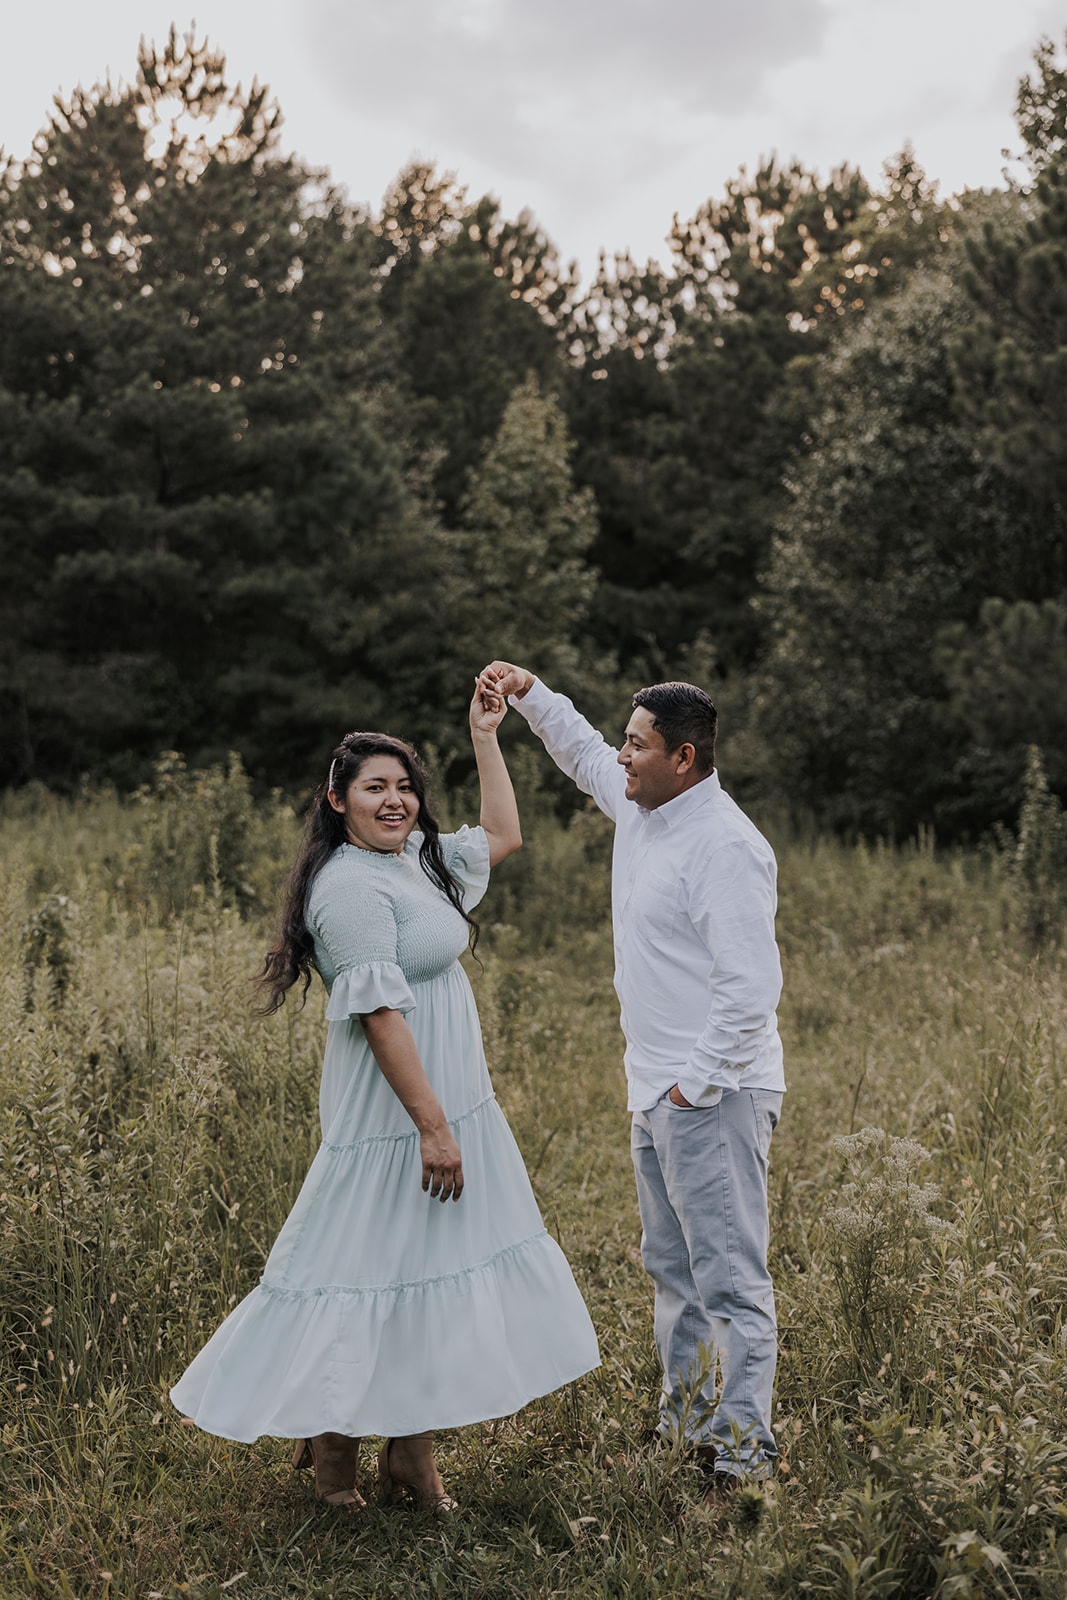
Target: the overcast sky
(605, 117)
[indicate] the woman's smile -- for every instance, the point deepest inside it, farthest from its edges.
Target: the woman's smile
(381, 807)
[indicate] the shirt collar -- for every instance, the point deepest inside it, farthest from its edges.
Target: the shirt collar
(685, 804)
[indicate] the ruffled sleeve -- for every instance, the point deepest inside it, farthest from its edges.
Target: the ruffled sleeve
(466, 856)
(352, 918)
(356, 991)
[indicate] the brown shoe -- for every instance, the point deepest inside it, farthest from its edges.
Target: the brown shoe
(719, 1493)
(335, 1458)
(703, 1456)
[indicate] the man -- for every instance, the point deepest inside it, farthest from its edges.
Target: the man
(698, 977)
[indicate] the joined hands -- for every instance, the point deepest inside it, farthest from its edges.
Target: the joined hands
(505, 678)
(488, 706)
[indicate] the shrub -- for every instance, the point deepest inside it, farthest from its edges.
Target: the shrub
(202, 831)
(1038, 858)
(879, 1237)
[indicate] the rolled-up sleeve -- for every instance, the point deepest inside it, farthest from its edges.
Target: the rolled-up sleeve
(732, 902)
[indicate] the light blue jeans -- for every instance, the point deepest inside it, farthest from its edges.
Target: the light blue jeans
(702, 1190)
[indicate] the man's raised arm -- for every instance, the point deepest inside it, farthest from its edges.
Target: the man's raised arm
(573, 743)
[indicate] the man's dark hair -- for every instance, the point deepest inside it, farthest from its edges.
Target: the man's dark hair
(682, 714)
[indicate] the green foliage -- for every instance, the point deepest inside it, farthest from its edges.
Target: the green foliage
(1005, 678)
(45, 947)
(777, 242)
(688, 404)
(1012, 356)
(1038, 858)
(1041, 110)
(468, 299)
(206, 497)
(894, 528)
(913, 596)
(203, 834)
(262, 476)
(551, 897)
(154, 1132)
(880, 1232)
(520, 576)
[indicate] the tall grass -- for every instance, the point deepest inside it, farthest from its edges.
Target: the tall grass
(153, 1133)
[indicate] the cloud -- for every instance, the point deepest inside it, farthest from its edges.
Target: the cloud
(606, 118)
(608, 85)
(603, 118)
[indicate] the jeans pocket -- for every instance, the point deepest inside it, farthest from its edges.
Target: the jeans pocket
(685, 1110)
(665, 1100)
(766, 1107)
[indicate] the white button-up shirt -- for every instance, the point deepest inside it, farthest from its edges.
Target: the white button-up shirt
(693, 899)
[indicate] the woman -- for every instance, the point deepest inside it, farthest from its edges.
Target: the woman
(380, 1312)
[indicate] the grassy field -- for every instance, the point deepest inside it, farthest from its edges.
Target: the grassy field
(153, 1133)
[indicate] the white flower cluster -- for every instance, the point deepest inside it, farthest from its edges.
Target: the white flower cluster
(887, 1195)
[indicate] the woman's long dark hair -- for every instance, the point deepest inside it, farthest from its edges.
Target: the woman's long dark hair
(293, 957)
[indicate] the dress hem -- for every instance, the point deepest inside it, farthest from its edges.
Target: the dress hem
(380, 1429)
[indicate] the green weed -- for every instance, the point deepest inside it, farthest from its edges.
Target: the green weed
(154, 1131)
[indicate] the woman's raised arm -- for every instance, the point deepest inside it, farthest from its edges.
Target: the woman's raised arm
(499, 814)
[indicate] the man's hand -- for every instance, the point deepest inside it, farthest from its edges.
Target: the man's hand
(508, 678)
(677, 1098)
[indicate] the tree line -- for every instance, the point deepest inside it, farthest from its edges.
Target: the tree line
(273, 466)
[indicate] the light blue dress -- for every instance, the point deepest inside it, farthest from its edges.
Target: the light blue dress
(381, 1311)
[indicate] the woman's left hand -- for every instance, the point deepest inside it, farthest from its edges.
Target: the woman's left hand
(488, 707)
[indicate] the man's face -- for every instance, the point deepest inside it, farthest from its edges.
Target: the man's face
(652, 776)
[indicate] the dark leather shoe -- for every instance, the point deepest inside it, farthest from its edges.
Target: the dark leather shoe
(703, 1455)
(723, 1486)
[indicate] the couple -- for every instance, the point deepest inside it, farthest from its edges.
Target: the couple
(381, 1313)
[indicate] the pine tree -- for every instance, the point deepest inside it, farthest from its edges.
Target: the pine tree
(521, 585)
(1011, 360)
(695, 391)
(206, 500)
(895, 529)
(472, 302)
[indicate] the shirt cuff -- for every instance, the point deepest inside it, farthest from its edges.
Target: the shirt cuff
(705, 1070)
(699, 1092)
(537, 698)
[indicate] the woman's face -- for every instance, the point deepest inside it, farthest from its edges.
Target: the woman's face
(381, 807)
